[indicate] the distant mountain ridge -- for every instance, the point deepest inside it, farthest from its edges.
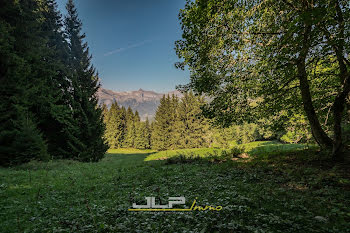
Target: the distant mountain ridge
(145, 102)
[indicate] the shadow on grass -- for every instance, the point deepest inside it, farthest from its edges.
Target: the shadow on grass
(263, 153)
(259, 151)
(275, 147)
(121, 157)
(300, 165)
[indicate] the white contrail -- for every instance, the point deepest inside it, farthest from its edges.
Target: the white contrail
(126, 48)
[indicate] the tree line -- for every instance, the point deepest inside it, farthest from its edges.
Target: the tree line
(47, 86)
(125, 129)
(179, 123)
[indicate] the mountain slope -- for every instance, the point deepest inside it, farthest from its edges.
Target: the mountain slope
(145, 102)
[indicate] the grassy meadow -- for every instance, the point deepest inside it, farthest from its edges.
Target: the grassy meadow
(262, 187)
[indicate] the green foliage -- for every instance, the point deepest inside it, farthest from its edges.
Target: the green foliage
(280, 193)
(180, 123)
(27, 85)
(22, 144)
(256, 59)
(130, 134)
(115, 126)
(236, 134)
(190, 126)
(125, 129)
(142, 135)
(30, 142)
(272, 128)
(130, 129)
(163, 125)
(88, 143)
(47, 85)
(297, 130)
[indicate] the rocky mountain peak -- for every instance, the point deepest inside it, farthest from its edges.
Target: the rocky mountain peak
(143, 101)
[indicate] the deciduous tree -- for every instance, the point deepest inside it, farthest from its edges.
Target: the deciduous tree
(261, 57)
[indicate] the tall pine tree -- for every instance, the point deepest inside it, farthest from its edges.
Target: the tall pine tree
(54, 111)
(111, 120)
(121, 127)
(173, 108)
(148, 133)
(47, 86)
(191, 128)
(161, 134)
(22, 84)
(86, 132)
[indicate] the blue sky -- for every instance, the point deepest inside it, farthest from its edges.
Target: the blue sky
(132, 42)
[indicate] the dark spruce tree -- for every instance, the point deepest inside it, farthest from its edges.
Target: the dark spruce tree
(130, 128)
(22, 47)
(54, 111)
(148, 133)
(87, 129)
(190, 127)
(129, 141)
(142, 134)
(111, 120)
(173, 108)
(161, 134)
(121, 127)
(178, 124)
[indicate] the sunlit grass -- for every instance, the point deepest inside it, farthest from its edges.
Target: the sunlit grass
(252, 148)
(200, 152)
(257, 195)
(261, 147)
(128, 151)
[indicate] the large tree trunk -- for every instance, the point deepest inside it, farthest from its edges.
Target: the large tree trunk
(338, 146)
(318, 133)
(338, 152)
